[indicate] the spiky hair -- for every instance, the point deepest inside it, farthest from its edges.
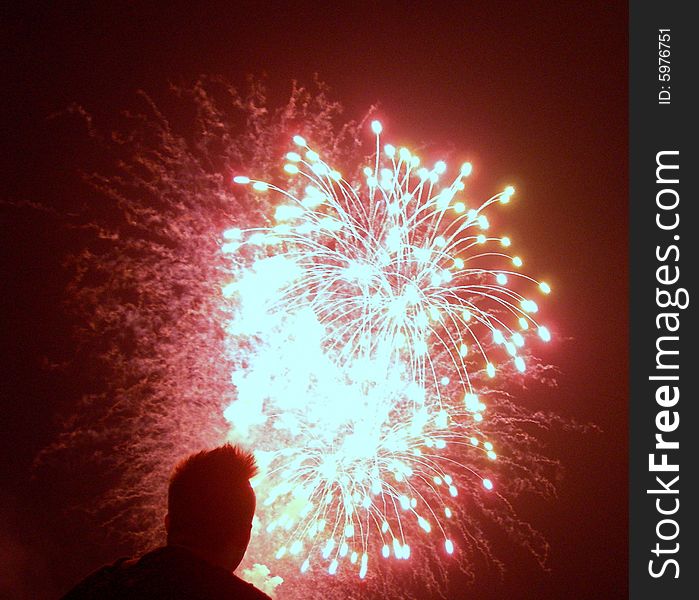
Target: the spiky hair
(209, 496)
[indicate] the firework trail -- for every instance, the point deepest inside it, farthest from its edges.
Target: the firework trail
(364, 315)
(336, 332)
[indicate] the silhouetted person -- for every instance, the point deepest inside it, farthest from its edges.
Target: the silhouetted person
(210, 509)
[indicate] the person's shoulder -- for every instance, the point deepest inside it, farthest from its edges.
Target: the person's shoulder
(167, 572)
(98, 583)
(188, 575)
(249, 591)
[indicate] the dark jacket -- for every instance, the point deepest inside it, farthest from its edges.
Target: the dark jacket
(171, 572)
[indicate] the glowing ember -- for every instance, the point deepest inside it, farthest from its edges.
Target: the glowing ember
(365, 317)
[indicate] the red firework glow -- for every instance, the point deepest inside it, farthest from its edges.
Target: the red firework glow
(351, 343)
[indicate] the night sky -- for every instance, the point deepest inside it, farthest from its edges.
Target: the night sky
(535, 93)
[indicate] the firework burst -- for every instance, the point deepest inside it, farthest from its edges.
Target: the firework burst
(346, 398)
(365, 322)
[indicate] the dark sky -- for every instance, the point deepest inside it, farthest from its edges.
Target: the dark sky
(536, 92)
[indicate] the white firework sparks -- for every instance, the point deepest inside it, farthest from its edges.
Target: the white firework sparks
(365, 317)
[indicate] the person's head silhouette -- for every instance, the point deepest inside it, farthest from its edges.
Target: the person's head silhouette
(211, 505)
